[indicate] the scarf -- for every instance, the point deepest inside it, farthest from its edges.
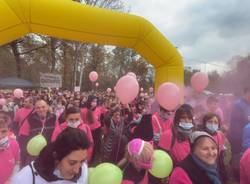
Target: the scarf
(211, 170)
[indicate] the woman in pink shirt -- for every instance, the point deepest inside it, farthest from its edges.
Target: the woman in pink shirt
(176, 140)
(9, 152)
(73, 119)
(91, 115)
(200, 166)
(211, 124)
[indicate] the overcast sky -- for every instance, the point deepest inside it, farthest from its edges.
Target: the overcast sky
(205, 31)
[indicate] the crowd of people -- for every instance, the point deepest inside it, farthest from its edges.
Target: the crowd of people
(208, 137)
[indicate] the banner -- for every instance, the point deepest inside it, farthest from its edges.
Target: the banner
(49, 80)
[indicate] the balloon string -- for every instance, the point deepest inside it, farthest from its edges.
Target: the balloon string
(120, 137)
(43, 125)
(42, 128)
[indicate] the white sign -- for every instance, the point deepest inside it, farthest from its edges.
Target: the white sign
(77, 89)
(49, 80)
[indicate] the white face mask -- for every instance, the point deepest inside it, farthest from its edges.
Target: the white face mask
(4, 143)
(212, 127)
(73, 124)
(186, 125)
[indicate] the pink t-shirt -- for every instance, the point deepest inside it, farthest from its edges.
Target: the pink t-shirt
(96, 115)
(159, 125)
(8, 159)
(179, 151)
(19, 117)
(179, 176)
(84, 127)
(245, 167)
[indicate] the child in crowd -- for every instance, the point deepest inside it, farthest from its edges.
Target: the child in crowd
(138, 160)
(176, 140)
(9, 151)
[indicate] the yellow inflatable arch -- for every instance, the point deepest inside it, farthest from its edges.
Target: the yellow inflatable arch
(74, 21)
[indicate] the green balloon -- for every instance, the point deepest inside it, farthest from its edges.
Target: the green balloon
(162, 164)
(106, 173)
(90, 171)
(36, 144)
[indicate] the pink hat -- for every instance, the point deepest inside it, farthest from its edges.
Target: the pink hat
(135, 147)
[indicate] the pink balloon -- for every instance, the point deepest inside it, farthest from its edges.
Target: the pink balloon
(18, 93)
(131, 74)
(168, 96)
(2, 101)
(151, 89)
(127, 88)
(199, 81)
(109, 90)
(93, 76)
(97, 84)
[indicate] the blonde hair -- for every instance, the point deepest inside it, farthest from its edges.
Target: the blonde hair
(145, 155)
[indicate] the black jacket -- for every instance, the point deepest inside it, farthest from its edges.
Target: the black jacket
(194, 172)
(36, 125)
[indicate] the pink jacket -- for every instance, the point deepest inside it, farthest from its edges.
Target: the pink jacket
(178, 151)
(96, 115)
(8, 159)
(159, 125)
(220, 140)
(245, 167)
(20, 115)
(58, 129)
(179, 176)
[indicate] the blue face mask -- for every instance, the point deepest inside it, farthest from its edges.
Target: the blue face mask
(186, 125)
(212, 127)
